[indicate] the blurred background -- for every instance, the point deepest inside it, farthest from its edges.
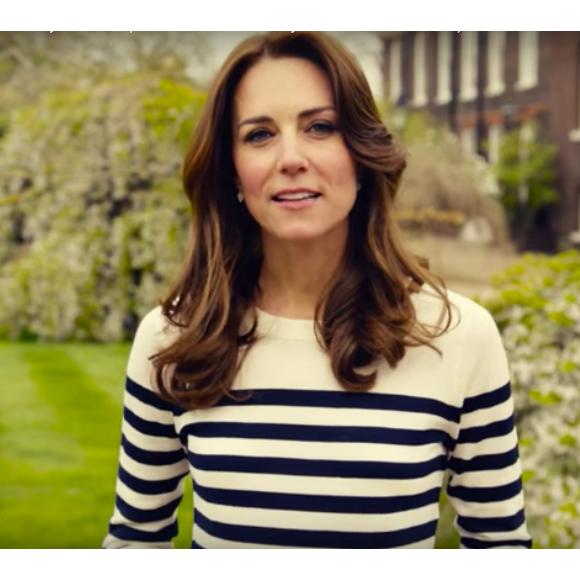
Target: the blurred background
(93, 225)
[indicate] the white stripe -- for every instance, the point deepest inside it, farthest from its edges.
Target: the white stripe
(281, 415)
(209, 542)
(119, 519)
(495, 509)
(147, 502)
(316, 521)
(147, 412)
(501, 444)
(330, 451)
(152, 472)
(518, 534)
(490, 478)
(483, 417)
(149, 442)
(326, 486)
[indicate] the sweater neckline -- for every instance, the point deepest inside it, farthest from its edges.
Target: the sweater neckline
(273, 326)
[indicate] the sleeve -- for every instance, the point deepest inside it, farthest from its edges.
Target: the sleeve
(152, 462)
(485, 475)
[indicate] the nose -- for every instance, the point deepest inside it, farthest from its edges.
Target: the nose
(291, 157)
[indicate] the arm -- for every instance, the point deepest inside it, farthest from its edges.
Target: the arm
(152, 462)
(485, 475)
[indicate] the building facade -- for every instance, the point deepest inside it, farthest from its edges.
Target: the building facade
(484, 83)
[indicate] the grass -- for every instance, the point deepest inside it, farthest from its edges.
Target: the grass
(60, 419)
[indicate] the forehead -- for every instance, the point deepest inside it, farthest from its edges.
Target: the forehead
(281, 85)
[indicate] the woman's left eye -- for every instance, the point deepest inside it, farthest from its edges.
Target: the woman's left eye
(322, 128)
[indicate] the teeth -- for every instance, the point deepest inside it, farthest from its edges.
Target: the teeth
(295, 196)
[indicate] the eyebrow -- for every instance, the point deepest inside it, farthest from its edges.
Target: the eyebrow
(301, 115)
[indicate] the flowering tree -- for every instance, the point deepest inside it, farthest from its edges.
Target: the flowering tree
(537, 308)
(93, 221)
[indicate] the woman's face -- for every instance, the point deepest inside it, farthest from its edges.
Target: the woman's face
(293, 167)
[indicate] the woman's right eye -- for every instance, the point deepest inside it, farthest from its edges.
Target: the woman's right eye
(257, 136)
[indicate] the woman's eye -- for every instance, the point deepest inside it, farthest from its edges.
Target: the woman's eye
(322, 128)
(257, 136)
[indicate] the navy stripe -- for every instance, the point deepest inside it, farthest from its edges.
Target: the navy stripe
(487, 400)
(196, 546)
(319, 433)
(151, 457)
(344, 400)
(485, 494)
(484, 462)
(317, 467)
(491, 525)
(474, 544)
(317, 503)
(489, 431)
(151, 428)
(129, 534)
(316, 539)
(148, 397)
(146, 487)
(142, 516)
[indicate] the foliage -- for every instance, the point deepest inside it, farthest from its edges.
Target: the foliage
(93, 221)
(526, 161)
(537, 307)
(443, 187)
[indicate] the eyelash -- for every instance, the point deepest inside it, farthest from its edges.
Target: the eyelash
(327, 127)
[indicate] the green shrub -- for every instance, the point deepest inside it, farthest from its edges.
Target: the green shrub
(536, 305)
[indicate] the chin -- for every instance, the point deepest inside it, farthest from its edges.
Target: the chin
(307, 232)
(300, 234)
(300, 237)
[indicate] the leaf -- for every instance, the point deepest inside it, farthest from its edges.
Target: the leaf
(545, 399)
(568, 440)
(528, 475)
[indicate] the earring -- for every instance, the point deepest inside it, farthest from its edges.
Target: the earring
(358, 186)
(240, 196)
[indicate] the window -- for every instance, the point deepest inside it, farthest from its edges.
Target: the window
(575, 133)
(420, 70)
(527, 136)
(468, 75)
(395, 85)
(494, 137)
(528, 56)
(495, 63)
(444, 48)
(468, 144)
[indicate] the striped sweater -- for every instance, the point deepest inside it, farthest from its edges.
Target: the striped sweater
(304, 464)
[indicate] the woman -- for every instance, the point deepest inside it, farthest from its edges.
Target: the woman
(308, 372)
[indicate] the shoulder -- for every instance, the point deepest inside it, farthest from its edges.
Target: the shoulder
(154, 333)
(470, 321)
(154, 330)
(473, 341)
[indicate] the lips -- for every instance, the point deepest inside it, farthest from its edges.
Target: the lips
(295, 195)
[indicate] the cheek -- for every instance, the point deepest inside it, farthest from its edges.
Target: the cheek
(252, 173)
(340, 170)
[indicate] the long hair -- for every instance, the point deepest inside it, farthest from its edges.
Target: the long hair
(366, 313)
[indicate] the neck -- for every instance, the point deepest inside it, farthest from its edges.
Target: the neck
(295, 275)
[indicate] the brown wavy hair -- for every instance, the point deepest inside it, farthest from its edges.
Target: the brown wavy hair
(366, 312)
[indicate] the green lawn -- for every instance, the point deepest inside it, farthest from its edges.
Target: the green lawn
(60, 419)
